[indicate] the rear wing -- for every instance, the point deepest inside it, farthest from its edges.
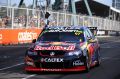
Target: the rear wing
(93, 30)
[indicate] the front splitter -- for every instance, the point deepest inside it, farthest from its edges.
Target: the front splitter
(78, 68)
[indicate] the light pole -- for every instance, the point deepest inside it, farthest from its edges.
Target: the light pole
(34, 5)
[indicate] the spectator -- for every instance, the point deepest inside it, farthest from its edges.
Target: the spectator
(5, 21)
(47, 18)
(8, 21)
(2, 22)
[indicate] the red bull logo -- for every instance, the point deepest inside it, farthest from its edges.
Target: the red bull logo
(72, 47)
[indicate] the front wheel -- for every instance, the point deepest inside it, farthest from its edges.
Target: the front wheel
(98, 59)
(87, 63)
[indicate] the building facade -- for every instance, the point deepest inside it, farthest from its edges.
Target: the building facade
(116, 4)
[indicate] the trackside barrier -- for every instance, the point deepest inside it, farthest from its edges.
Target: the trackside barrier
(16, 36)
(21, 25)
(25, 18)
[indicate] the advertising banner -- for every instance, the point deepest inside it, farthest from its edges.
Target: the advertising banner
(15, 36)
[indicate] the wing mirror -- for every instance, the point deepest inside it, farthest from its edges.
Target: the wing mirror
(92, 41)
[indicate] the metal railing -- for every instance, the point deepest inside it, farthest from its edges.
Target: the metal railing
(24, 18)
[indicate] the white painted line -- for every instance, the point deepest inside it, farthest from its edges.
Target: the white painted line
(104, 43)
(103, 58)
(29, 76)
(111, 58)
(109, 43)
(11, 66)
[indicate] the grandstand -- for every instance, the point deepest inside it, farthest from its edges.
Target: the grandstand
(98, 9)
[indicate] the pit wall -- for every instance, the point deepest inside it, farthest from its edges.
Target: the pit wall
(16, 36)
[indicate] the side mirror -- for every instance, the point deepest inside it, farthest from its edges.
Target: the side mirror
(92, 41)
(34, 40)
(89, 38)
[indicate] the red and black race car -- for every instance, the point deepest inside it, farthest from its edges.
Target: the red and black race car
(64, 49)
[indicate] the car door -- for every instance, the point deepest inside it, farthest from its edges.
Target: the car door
(90, 44)
(93, 40)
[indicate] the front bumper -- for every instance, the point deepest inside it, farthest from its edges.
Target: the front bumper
(78, 68)
(69, 64)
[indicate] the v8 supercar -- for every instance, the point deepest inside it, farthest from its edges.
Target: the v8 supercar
(63, 49)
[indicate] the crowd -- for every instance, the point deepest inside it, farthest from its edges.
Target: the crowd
(5, 22)
(25, 21)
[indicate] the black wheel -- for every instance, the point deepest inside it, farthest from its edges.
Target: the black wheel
(87, 63)
(98, 59)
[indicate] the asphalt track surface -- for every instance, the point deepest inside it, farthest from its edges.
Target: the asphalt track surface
(12, 63)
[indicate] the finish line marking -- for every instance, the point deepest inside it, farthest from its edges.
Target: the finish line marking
(11, 66)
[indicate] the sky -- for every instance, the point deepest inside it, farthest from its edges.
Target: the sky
(106, 2)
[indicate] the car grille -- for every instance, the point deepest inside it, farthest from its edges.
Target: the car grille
(48, 52)
(54, 65)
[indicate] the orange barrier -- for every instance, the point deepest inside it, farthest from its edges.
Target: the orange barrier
(15, 36)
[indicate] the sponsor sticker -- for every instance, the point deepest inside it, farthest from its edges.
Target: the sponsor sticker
(0, 36)
(51, 69)
(52, 60)
(25, 36)
(59, 30)
(77, 32)
(37, 47)
(77, 63)
(64, 30)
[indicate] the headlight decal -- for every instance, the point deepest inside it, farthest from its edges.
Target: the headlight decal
(75, 53)
(84, 46)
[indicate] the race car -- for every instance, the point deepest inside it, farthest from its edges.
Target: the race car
(63, 49)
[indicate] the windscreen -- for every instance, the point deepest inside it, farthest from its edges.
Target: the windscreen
(61, 37)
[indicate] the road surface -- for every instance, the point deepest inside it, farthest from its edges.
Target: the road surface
(12, 63)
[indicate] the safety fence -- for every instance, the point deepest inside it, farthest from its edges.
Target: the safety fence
(22, 25)
(12, 17)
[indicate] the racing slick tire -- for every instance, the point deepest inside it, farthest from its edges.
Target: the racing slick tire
(98, 59)
(87, 63)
